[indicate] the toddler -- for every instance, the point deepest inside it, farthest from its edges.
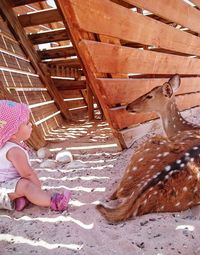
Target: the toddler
(19, 183)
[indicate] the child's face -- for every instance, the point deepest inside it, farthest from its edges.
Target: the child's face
(24, 131)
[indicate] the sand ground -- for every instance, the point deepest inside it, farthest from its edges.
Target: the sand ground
(82, 230)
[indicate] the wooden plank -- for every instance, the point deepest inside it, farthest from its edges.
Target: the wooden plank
(28, 48)
(70, 62)
(49, 36)
(132, 26)
(124, 91)
(122, 3)
(57, 52)
(108, 58)
(15, 3)
(64, 84)
(196, 2)
(177, 11)
(122, 119)
(39, 17)
(32, 97)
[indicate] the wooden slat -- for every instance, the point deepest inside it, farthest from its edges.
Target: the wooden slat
(49, 36)
(127, 25)
(196, 2)
(40, 17)
(28, 49)
(108, 58)
(15, 3)
(43, 111)
(123, 119)
(124, 91)
(122, 3)
(63, 84)
(58, 52)
(177, 11)
(73, 62)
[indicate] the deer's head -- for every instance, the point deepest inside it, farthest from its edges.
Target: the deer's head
(157, 98)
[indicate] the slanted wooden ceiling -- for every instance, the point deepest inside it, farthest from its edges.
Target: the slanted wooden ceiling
(128, 47)
(107, 52)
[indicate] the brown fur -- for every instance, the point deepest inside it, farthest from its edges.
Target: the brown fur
(179, 192)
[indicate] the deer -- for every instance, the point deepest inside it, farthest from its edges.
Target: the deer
(159, 178)
(161, 100)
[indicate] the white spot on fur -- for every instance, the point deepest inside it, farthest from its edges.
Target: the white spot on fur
(185, 189)
(190, 177)
(152, 166)
(141, 159)
(178, 161)
(165, 154)
(134, 168)
(177, 204)
(167, 168)
(182, 165)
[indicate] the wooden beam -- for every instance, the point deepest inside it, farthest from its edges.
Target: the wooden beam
(64, 84)
(39, 17)
(49, 36)
(124, 91)
(122, 3)
(127, 25)
(105, 56)
(196, 2)
(30, 52)
(15, 3)
(74, 63)
(57, 52)
(177, 11)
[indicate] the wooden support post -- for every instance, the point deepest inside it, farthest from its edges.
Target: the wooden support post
(20, 34)
(90, 102)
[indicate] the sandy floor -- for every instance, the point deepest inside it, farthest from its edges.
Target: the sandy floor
(82, 230)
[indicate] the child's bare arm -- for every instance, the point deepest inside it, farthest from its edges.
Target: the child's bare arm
(20, 162)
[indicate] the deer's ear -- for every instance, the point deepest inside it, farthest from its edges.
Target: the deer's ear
(175, 82)
(167, 89)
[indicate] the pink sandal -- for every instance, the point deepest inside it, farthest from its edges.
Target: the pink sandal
(59, 201)
(21, 203)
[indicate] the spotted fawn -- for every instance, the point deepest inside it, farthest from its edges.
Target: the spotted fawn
(162, 176)
(161, 100)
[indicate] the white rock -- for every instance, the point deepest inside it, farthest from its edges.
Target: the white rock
(48, 164)
(44, 153)
(64, 156)
(75, 164)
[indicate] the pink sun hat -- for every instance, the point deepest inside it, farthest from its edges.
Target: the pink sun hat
(12, 115)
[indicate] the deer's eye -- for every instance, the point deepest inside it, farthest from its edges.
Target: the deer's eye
(149, 97)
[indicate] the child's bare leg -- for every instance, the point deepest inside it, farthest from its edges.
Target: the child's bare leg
(33, 193)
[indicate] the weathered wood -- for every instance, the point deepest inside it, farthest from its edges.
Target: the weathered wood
(122, 3)
(73, 62)
(64, 84)
(15, 3)
(105, 56)
(49, 36)
(27, 47)
(177, 11)
(196, 2)
(124, 91)
(90, 103)
(127, 25)
(57, 52)
(39, 17)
